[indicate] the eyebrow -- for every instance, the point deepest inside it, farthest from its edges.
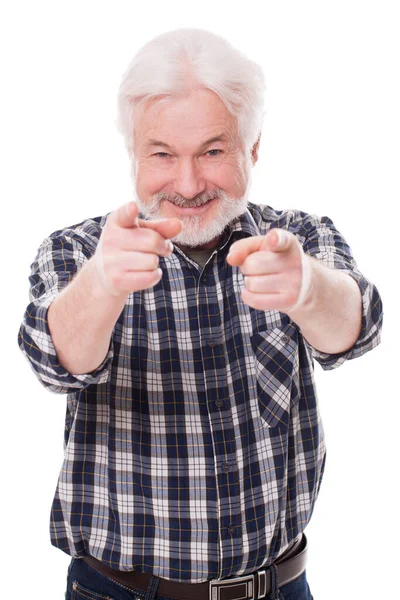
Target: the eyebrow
(217, 138)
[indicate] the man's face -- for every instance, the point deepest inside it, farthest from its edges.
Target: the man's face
(189, 163)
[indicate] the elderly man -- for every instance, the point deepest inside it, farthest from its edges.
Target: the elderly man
(194, 450)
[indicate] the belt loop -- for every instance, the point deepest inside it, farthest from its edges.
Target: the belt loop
(274, 583)
(152, 588)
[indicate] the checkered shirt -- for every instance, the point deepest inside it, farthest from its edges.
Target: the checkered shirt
(195, 451)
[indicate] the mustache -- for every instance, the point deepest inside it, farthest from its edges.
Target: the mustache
(181, 201)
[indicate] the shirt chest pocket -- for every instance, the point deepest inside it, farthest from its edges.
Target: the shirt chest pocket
(276, 365)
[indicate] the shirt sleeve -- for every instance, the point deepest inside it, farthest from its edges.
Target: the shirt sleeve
(324, 242)
(57, 262)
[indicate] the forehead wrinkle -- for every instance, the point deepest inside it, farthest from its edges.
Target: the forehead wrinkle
(217, 138)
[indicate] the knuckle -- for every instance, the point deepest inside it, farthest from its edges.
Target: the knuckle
(148, 279)
(116, 280)
(112, 283)
(154, 261)
(250, 284)
(110, 240)
(252, 261)
(107, 244)
(295, 281)
(144, 233)
(145, 238)
(291, 298)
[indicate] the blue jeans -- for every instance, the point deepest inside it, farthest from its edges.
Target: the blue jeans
(84, 583)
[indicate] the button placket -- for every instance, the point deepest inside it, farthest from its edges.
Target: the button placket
(214, 356)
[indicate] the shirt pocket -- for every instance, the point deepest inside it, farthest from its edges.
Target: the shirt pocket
(276, 363)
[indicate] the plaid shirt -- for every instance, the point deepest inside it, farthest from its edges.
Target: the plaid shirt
(195, 450)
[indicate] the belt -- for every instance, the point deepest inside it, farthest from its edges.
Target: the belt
(290, 565)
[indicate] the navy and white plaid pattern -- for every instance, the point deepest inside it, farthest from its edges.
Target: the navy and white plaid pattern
(195, 451)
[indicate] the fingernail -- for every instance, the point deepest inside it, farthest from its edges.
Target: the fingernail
(281, 237)
(169, 246)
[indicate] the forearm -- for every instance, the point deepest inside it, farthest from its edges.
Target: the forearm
(330, 319)
(81, 321)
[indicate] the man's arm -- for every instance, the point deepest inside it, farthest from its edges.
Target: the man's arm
(330, 318)
(81, 320)
(325, 303)
(78, 297)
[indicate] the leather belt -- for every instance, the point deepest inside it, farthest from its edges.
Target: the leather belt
(290, 565)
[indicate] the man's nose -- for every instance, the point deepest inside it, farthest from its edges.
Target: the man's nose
(189, 180)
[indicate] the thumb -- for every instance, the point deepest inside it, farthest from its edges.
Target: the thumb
(126, 215)
(277, 240)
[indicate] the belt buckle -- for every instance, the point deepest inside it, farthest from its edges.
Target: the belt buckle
(244, 585)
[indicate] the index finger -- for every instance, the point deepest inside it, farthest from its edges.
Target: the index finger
(241, 249)
(126, 216)
(167, 228)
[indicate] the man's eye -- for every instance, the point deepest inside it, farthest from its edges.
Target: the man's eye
(161, 154)
(217, 151)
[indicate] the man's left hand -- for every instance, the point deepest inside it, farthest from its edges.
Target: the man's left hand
(278, 274)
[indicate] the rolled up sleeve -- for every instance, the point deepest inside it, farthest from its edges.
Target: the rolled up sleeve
(324, 242)
(57, 262)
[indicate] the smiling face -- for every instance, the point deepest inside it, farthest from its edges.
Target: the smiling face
(189, 163)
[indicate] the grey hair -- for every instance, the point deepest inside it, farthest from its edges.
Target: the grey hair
(175, 62)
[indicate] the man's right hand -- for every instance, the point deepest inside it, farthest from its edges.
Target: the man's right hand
(129, 248)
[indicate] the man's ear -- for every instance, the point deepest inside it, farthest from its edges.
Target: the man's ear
(254, 151)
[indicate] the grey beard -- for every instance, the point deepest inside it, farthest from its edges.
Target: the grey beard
(194, 233)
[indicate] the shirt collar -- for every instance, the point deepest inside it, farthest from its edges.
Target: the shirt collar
(243, 226)
(246, 224)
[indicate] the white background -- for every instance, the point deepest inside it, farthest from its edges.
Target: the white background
(330, 146)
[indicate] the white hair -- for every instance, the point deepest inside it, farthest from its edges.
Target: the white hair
(176, 62)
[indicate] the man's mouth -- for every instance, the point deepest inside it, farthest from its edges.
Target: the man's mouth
(191, 207)
(190, 203)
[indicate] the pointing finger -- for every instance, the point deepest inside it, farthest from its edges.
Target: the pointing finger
(168, 228)
(242, 248)
(278, 240)
(126, 216)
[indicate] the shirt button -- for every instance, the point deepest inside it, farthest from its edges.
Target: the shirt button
(225, 467)
(218, 403)
(212, 343)
(285, 339)
(231, 529)
(204, 279)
